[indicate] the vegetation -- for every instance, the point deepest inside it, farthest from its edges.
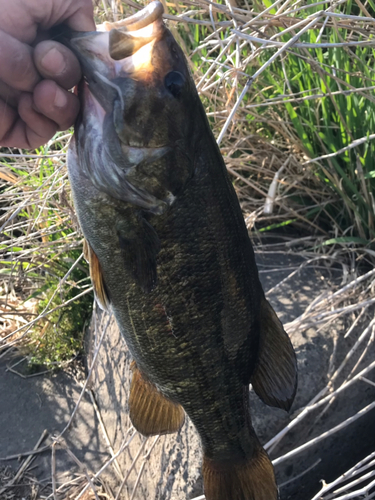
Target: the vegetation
(288, 87)
(315, 100)
(295, 122)
(41, 261)
(327, 119)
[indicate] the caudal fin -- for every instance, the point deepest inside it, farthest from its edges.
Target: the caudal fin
(253, 479)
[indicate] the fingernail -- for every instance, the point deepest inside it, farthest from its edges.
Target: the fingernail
(61, 99)
(54, 62)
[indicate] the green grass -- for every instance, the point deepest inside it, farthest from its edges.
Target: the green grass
(39, 250)
(59, 336)
(317, 113)
(301, 107)
(331, 123)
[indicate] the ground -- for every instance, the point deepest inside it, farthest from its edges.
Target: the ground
(172, 469)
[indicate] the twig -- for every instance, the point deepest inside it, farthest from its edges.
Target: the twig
(95, 357)
(316, 404)
(102, 469)
(131, 468)
(89, 290)
(25, 463)
(344, 477)
(53, 470)
(301, 474)
(316, 440)
(260, 70)
(137, 480)
(81, 466)
(105, 434)
(354, 144)
(367, 380)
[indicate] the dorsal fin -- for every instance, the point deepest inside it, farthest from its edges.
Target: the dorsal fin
(275, 376)
(96, 275)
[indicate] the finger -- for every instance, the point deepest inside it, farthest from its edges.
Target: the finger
(38, 126)
(24, 128)
(9, 95)
(56, 104)
(16, 64)
(83, 18)
(58, 63)
(77, 14)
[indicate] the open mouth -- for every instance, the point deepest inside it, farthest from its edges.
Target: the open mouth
(120, 49)
(141, 19)
(123, 47)
(128, 36)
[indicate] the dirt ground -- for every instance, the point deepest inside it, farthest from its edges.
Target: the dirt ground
(28, 406)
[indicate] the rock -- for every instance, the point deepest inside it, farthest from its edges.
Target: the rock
(172, 470)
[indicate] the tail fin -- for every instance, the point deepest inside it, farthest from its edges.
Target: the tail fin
(250, 480)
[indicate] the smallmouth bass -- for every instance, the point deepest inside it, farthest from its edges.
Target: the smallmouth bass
(170, 254)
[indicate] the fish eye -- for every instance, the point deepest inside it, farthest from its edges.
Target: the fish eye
(174, 81)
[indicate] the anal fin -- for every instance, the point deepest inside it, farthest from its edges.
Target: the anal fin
(275, 376)
(96, 275)
(152, 413)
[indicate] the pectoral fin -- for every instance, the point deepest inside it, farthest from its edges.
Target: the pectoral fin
(152, 413)
(140, 246)
(96, 275)
(275, 375)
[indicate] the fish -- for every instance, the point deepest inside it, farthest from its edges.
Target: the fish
(170, 254)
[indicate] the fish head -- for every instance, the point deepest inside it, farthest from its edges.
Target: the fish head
(138, 97)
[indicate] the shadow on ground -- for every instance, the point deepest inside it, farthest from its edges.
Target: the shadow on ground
(29, 406)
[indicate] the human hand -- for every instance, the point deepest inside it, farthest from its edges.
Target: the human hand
(35, 75)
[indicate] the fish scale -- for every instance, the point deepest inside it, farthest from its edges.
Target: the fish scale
(170, 254)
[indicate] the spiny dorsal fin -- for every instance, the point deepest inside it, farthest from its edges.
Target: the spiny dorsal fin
(96, 276)
(275, 375)
(152, 413)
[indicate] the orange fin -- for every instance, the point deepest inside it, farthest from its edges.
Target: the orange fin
(152, 413)
(275, 375)
(96, 276)
(250, 480)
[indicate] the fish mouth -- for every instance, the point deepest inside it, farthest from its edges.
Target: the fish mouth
(130, 131)
(121, 48)
(112, 58)
(141, 19)
(129, 35)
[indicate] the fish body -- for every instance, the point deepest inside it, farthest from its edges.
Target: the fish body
(170, 254)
